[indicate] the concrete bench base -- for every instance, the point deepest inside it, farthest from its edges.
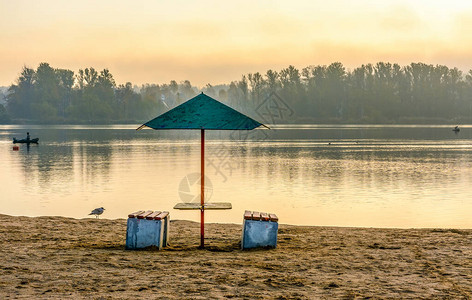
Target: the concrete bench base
(259, 233)
(142, 233)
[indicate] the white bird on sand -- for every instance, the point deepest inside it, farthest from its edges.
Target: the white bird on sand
(97, 212)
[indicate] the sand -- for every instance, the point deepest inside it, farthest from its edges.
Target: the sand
(56, 257)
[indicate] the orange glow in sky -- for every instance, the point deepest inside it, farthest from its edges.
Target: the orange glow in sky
(148, 41)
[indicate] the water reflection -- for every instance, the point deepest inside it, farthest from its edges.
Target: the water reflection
(317, 175)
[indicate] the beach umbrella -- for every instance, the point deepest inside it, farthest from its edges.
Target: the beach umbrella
(202, 113)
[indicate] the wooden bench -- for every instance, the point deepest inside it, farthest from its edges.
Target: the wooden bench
(147, 228)
(259, 230)
(250, 215)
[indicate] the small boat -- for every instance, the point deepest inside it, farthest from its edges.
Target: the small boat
(25, 141)
(456, 129)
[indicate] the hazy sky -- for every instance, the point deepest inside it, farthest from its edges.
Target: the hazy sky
(216, 42)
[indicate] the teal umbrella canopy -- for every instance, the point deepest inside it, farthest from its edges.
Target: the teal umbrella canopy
(203, 112)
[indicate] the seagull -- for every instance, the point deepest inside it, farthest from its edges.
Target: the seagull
(97, 212)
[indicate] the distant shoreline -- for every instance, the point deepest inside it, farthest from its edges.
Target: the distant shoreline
(406, 121)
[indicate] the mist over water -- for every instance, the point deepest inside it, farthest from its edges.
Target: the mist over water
(343, 175)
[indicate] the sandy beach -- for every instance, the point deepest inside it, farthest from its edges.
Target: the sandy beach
(56, 257)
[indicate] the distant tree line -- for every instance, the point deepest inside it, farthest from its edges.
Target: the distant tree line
(380, 93)
(49, 95)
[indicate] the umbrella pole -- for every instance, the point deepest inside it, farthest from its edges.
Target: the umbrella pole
(202, 195)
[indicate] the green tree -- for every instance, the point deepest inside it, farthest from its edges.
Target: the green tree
(21, 95)
(152, 103)
(257, 83)
(4, 116)
(127, 101)
(47, 98)
(66, 83)
(272, 81)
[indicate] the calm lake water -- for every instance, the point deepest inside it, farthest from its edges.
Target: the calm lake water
(346, 175)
